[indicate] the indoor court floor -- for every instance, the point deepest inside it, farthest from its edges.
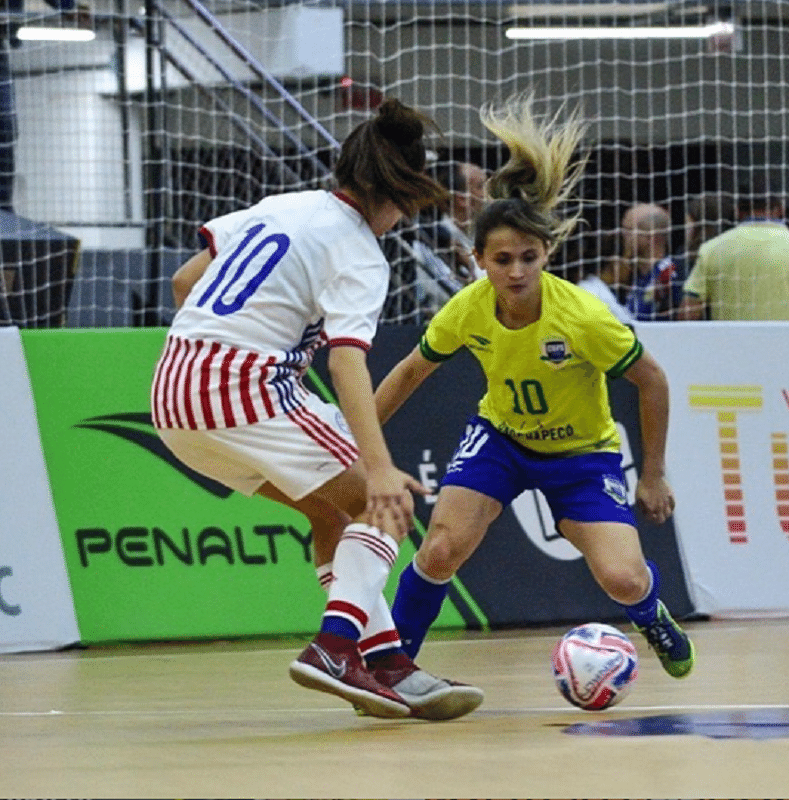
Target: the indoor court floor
(223, 720)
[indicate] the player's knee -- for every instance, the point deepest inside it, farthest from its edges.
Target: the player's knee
(626, 585)
(441, 554)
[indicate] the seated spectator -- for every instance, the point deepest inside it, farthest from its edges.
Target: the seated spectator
(441, 242)
(611, 272)
(449, 233)
(656, 290)
(743, 274)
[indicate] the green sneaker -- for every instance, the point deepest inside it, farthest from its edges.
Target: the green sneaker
(670, 643)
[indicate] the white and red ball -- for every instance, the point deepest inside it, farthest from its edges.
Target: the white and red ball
(594, 666)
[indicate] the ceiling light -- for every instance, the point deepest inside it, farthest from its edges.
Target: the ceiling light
(649, 32)
(585, 8)
(38, 34)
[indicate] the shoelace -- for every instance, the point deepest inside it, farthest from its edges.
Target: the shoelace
(659, 636)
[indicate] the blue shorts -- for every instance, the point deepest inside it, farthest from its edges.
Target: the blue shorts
(585, 488)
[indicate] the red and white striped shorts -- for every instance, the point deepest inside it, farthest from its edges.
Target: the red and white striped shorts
(297, 452)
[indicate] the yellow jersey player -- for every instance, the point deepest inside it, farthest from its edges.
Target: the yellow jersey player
(544, 422)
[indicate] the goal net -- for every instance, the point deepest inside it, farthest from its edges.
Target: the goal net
(116, 150)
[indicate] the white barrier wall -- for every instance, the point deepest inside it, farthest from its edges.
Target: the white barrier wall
(728, 460)
(36, 608)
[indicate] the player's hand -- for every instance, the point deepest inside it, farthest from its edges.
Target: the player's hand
(390, 504)
(655, 499)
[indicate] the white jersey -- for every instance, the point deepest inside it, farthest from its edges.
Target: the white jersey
(289, 274)
(600, 289)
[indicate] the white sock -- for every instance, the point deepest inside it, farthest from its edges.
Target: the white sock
(362, 562)
(380, 633)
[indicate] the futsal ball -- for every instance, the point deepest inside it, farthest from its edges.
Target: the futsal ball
(594, 666)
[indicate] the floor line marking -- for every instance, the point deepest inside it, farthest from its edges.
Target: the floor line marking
(487, 711)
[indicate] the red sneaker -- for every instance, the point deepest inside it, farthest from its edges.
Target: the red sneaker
(333, 664)
(429, 697)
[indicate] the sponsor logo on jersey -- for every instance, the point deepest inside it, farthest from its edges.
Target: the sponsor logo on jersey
(481, 343)
(555, 351)
(559, 432)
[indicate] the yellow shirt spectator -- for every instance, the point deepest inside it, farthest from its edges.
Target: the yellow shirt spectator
(743, 274)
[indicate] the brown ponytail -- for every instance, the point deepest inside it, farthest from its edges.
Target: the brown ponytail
(384, 159)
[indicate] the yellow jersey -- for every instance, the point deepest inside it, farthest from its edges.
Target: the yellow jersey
(546, 382)
(743, 274)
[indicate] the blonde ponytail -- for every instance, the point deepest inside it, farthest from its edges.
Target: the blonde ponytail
(542, 170)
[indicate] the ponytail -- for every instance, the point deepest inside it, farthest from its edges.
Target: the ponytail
(540, 175)
(384, 159)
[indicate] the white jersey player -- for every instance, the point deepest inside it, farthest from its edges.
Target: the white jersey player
(277, 281)
(287, 275)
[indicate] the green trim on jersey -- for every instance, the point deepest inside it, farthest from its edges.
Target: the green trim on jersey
(430, 354)
(622, 366)
(546, 382)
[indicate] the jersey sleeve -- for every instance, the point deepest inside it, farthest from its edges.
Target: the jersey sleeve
(351, 304)
(441, 340)
(610, 345)
(217, 232)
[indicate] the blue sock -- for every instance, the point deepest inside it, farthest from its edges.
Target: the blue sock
(416, 605)
(644, 611)
(339, 627)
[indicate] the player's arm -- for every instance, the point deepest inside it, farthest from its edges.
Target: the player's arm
(401, 382)
(188, 274)
(653, 493)
(387, 487)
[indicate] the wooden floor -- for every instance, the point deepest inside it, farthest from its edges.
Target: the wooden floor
(223, 720)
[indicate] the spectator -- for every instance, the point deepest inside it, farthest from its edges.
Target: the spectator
(707, 215)
(440, 244)
(449, 236)
(743, 274)
(612, 270)
(656, 291)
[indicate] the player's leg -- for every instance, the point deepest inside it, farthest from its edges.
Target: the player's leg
(428, 697)
(327, 522)
(354, 560)
(241, 458)
(613, 553)
(459, 522)
(483, 477)
(419, 602)
(594, 516)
